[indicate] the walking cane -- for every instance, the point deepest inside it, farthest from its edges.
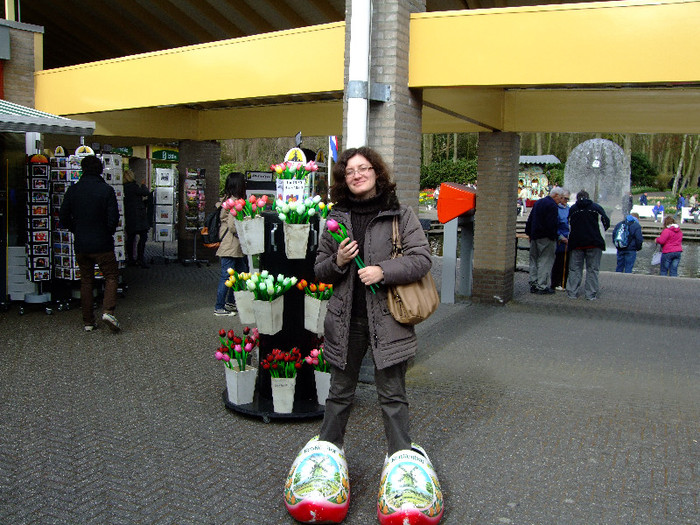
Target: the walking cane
(563, 273)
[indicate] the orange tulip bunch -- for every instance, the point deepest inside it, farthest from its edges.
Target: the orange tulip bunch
(321, 291)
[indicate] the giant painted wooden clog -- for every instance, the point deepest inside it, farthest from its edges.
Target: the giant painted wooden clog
(318, 488)
(409, 491)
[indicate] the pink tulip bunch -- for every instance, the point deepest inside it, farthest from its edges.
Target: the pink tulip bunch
(339, 233)
(317, 360)
(294, 170)
(245, 208)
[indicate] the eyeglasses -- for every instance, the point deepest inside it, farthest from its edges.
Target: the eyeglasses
(362, 170)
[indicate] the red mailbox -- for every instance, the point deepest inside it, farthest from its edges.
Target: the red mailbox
(455, 200)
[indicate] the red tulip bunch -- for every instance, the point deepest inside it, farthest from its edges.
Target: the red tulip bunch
(321, 291)
(234, 348)
(245, 208)
(283, 364)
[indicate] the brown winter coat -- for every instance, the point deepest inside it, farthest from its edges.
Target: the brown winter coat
(230, 245)
(391, 342)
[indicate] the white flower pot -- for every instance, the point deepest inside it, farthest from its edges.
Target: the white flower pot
(244, 305)
(269, 315)
(323, 385)
(296, 239)
(251, 233)
(283, 394)
(314, 314)
(241, 385)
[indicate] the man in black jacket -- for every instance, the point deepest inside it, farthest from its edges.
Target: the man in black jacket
(89, 210)
(585, 244)
(542, 229)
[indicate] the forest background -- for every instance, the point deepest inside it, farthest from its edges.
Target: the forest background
(659, 162)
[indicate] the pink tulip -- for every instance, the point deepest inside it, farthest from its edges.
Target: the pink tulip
(237, 348)
(261, 203)
(314, 361)
(314, 353)
(248, 347)
(239, 206)
(219, 356)
(308, 359)
(332, 225)
(226, 358)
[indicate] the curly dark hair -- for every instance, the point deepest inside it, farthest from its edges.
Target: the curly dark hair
(341, 194)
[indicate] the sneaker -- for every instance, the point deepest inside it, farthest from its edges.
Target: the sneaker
(545, 291)
(594, 298)
(111, 322)
(533, 288)
(231, 307)
(559, 289)
(220, 312)
(89, 327)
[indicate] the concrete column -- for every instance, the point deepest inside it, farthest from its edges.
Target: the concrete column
(394, 126)
(496, 214)
(197, 154)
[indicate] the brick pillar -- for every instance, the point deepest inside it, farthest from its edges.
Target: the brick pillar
(394, 126)
(196, 154)
(495, 220)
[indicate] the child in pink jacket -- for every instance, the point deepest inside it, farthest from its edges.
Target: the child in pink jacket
(670, 240)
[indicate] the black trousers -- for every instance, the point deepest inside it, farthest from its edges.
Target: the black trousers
(140, 247)
(391, 393)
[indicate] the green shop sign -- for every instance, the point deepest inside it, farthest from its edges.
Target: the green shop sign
(123, 151)
(158, 153)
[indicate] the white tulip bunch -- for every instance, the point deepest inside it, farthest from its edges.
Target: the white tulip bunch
(266, 287)
(298, 212)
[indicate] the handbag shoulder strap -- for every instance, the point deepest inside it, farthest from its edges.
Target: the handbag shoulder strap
(396, 247)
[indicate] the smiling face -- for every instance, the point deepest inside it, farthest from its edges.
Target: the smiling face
(360, 177)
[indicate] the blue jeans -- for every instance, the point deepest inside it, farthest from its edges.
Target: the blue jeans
(625, 261)
(224, 294)
(669, 264)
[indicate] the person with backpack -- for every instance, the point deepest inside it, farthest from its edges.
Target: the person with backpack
(229, 250)
(628, 239)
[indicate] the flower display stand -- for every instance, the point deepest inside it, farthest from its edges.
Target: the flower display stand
(292, 333)
(296, 240)
(240, 385)
(251, 233)
(244, 305)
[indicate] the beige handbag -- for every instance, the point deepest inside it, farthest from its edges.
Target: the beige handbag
(414, 302)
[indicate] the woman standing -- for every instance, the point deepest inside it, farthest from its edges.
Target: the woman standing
(670, 241)
(135, 219)
(229, 250)
(359, 320)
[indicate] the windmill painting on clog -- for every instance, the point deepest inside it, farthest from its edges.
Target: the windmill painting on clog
(409, 491)
(318, 488)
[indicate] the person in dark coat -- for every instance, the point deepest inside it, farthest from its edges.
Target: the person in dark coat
(586, 244)
(89, 210)
(136, 223)
(626, 257)
(542, 229)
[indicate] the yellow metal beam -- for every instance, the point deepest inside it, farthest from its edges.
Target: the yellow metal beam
(266, 65)
(589, 43)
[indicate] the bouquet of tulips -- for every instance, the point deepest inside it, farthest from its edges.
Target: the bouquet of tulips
(339, 233)
(266, 287)
(296, 212)
(234, 348)
(237, 281)
(321, 291)
(294, 170)
(245, 208)
(317, 360)
(283, 364)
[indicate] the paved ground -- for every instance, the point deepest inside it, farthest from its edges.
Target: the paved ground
(546, 410)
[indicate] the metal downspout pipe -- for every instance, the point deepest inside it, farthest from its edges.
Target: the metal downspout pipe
(357, 90)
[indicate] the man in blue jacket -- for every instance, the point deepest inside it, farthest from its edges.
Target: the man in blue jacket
(89, 210)
(627, 256)
(542, 229)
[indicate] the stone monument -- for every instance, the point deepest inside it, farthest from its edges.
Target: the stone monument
(600, 167)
